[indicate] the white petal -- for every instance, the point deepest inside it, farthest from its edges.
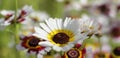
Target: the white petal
(57, 55)
(6, 23)
(4, 12)
(45, 27)
(74, 26)
(11, 18)
(40, 36)
(106, 48)
(42, 52)
(51, 23)
(19, 47)
(27, 55)
(56, 48)
(55, 23)
(40, 31)
(27, 9)
(89, 50)
(45, 43)
(32, 52)
(39, 56)
(59, 23)
(47, 49)
(68, 47)
(80, 37)
(66, 22)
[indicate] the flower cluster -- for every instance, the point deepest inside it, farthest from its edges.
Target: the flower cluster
(87, 29)
(51, 34)
(9, 16)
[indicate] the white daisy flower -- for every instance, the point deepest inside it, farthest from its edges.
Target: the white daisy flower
(88, 25)
(8, 16)
(61, 35)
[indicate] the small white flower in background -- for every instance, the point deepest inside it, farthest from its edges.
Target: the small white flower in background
(74, 5)
(32, 20)
(10, 15)
(58, 33)
(88, 25)
(104, 7)
(104, 22)
(39, 16)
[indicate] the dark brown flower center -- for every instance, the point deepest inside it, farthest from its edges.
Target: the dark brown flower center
(104, 9)
(73, 53)
(118, 7)
(23, 12)
(115, 31)
(34, 42)
(8, 16)
(116, 51)
(61, 38)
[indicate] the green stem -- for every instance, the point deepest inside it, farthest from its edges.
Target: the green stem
(15, 23)
(16, 33)
(16, 6)
(16, 30)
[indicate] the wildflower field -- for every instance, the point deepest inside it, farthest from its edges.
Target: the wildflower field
(59, 29)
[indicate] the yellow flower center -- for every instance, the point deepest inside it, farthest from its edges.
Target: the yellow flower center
(61, 37)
